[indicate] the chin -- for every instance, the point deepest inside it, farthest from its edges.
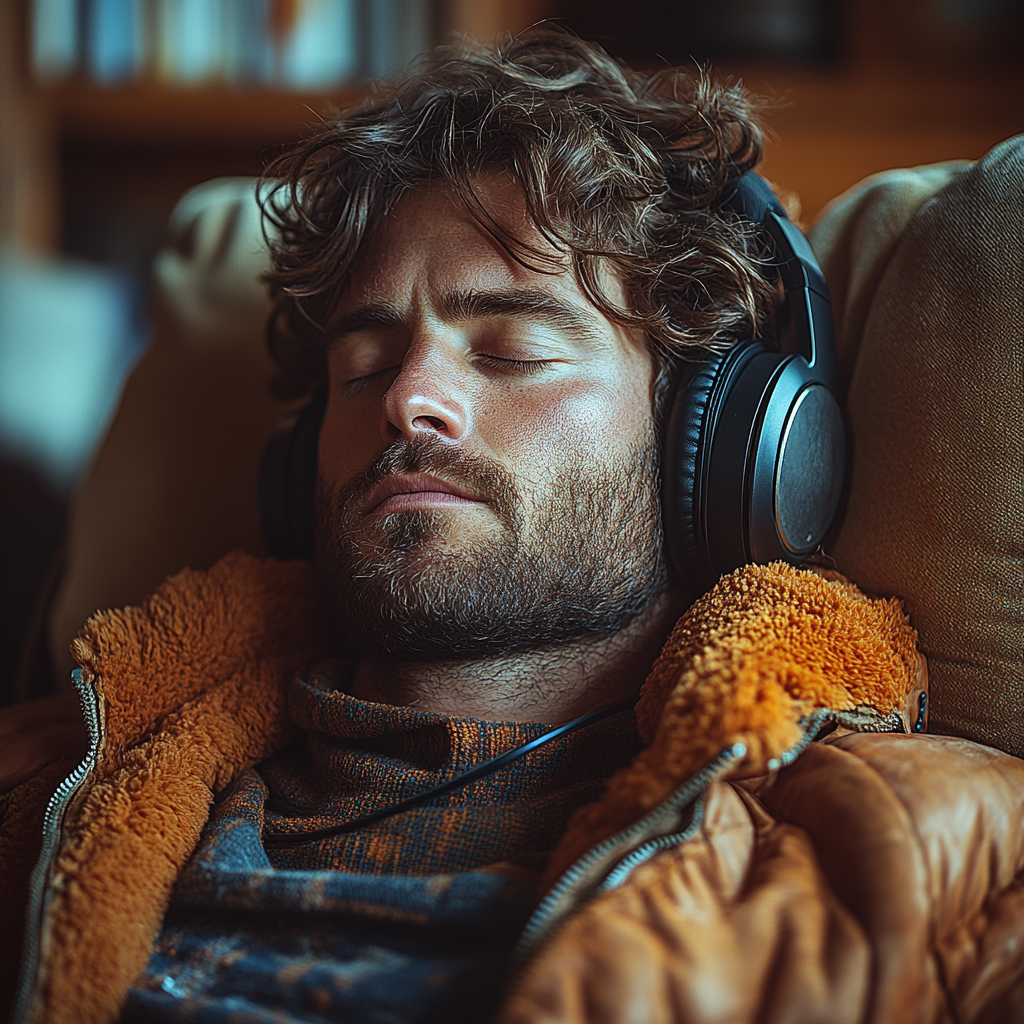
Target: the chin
(423, 533)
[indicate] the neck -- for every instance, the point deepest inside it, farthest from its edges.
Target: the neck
(549, 686)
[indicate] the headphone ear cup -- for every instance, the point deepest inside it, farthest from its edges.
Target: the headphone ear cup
(684, 467)
(286, 489)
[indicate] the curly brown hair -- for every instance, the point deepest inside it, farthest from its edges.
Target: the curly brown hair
(618, 170)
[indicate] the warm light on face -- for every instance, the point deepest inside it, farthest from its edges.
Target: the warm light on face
(488, 460)
(443, 333)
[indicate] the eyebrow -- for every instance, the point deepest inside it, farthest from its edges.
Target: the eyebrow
(458, 306)
(373, 314)
(525, 303)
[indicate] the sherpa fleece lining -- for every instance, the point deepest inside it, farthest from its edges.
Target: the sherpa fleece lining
(749, 662)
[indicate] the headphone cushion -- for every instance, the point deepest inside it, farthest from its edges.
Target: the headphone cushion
(685, 450)
(287, 482)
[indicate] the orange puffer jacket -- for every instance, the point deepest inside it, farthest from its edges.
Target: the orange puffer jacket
(735, 872)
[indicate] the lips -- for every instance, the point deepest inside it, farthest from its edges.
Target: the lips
(407, 491)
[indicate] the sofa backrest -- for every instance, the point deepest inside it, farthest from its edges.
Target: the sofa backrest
(927, 273)
(173, 483)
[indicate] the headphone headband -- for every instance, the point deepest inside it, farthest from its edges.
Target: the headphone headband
(808, 329)
(750, 197)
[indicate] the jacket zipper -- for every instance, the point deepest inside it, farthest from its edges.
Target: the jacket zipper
(645, 851)
(549, 913)
(53, 821)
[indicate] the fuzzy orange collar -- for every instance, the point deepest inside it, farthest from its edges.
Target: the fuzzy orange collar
(750, 662)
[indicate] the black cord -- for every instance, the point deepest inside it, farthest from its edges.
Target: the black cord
(487, 768)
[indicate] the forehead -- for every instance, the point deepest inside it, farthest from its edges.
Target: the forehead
(430, 242)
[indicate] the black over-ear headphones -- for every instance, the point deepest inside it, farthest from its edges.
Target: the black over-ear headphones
(755, 450)
(754, 455)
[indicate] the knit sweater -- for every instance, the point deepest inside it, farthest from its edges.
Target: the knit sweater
(413, 918)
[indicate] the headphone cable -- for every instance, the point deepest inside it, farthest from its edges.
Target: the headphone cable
(277, 839)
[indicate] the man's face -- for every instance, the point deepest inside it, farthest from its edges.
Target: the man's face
(488, 463)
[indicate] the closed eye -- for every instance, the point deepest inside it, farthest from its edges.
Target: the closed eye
(358, 383)
(527, 366)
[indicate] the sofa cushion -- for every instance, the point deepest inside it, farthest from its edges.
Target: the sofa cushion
(173, 484)
(933, 353)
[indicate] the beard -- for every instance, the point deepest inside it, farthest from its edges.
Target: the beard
(583, 559)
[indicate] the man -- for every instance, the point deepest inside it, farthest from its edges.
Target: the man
(491, 271)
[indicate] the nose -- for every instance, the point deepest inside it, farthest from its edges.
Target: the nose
(425, 396)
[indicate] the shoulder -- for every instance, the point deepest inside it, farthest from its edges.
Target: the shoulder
(896, 818)
(877, 878)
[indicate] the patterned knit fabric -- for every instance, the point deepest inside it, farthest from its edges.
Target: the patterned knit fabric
(356, 757)
(410, 920)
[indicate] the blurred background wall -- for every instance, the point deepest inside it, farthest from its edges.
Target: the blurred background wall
(110, 109)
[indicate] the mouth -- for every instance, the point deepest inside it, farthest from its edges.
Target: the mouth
(406, 492)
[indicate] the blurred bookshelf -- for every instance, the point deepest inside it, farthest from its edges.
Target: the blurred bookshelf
(124, 104)
(221, 72)
(301, 45)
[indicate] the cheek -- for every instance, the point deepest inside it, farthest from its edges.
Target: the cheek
(349, 439)
(543, 427)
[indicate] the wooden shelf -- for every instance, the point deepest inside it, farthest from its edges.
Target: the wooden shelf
(218, 114)
(210, 116)
(826, 130)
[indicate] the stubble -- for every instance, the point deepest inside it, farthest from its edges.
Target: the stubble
(578, 556)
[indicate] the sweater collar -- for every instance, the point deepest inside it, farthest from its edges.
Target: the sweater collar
(357, 757)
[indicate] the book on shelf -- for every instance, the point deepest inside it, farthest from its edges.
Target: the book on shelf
(301, 45)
